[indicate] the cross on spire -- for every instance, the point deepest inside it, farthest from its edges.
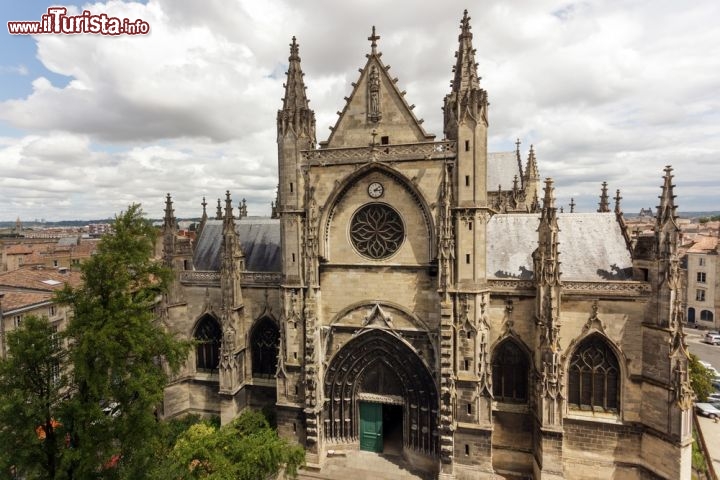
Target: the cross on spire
(373, 40)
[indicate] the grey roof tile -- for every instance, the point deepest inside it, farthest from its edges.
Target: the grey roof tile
(591, 247)
(259, 239)
(501, 170)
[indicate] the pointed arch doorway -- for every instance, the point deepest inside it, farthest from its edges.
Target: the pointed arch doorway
(380, 394)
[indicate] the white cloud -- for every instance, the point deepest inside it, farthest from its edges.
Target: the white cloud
(605, 90)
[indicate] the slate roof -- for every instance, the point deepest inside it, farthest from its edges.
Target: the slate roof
(501, 170)
(591, 245)
(259, 239)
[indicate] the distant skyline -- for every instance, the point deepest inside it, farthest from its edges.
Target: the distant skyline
(604, 90)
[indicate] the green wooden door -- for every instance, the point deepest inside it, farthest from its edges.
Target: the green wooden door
(371, 427)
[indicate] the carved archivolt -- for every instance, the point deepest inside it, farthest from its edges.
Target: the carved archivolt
(376, 360)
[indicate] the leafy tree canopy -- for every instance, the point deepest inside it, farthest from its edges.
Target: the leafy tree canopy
(700, 379)
(117, 348)
(31, 396)
(245, 449)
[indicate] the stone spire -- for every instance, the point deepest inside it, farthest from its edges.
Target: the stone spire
(604, 205)
(519, 162)
(466, 98)
(169, 221)
(228, 215)
(666, 228)
(466, 77)
(242, 210)
(531, 170)
(546, 264)
(666, 211)
(232, 264)
(203, 219)
(219, 212)
(233, 259)
(621, 221)
(295, 115)
(169, 230)
(572, 205)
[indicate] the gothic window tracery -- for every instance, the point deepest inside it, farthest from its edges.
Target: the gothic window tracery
(377, 231)
(594, 377)
(264, 343)
(510, 373)
(208, 335)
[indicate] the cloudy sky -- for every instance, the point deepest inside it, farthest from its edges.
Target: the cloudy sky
(605, 90)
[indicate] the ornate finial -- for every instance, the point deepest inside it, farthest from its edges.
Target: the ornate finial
(515, 183)
(228, 207)
(617, 202)
(667, 207)
(465, 23)
(294, 50)
(218, 213)
(572, 205)
(242, 209)
(604, 201)
(169, 212)
(549, 200)
(517, 146)
(373, 40)
(561, 209)
(204, 205)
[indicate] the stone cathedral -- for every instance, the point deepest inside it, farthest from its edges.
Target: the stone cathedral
(427, 296)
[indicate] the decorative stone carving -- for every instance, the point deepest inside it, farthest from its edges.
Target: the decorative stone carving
(373, 93)
(594, 322)
(377, 231)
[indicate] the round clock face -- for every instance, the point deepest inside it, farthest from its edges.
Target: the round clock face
(376, 189)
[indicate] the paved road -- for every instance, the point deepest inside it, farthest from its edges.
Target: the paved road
(708, 353)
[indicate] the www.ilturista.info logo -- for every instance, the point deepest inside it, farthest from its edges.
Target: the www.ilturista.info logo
(57, 21)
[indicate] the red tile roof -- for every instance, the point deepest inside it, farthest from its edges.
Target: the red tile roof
(43, 279)
(17, 300)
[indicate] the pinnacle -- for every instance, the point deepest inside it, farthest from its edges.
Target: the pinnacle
(169, 220)
(667, 207)
(618, 210)
(549, 200)
(295, 97)
(604, 205)
(531, 170)
(466, 77)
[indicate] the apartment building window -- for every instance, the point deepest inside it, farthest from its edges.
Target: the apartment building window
(55, 263)
(701, 277)
(17, 320)
(706, 315)
(700, 295)
(55, 338)
(52, 311)
(701, 261)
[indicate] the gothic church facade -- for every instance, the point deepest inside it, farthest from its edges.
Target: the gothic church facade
(428, 296)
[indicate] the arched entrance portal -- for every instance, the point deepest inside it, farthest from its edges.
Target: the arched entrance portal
(374, 379)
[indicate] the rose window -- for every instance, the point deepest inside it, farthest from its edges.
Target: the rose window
(376, 231)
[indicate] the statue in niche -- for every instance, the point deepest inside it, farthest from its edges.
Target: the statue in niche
(374, 95)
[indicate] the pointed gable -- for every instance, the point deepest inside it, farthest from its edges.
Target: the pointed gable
(376, 105)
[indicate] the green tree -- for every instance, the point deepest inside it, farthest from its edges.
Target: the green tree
(245, 449)
(700, 378)
(117, 354)
(31, 389)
